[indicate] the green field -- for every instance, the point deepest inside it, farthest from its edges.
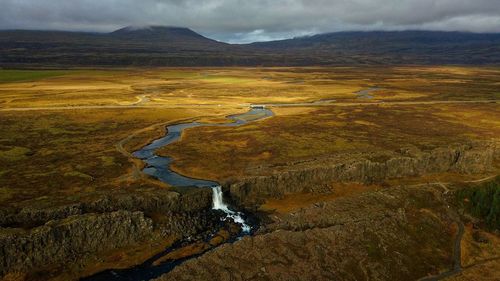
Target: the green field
(28, 75)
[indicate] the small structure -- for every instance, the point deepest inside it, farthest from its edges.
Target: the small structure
(258, 106)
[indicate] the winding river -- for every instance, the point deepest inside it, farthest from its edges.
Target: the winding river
(159, 167)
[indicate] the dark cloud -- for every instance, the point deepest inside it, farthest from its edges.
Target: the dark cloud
(249, 20)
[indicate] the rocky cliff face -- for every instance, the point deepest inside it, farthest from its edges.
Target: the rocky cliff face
(375, 236)
(59, 242)
(68, 233)
(157, 201)
(327, 235)
(468, 159)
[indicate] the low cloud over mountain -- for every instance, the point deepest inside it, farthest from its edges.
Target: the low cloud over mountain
(245, 21)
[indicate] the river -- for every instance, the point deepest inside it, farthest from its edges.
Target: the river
(159, 167)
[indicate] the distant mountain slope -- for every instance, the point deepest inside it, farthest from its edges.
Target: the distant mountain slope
(147, 36)
(160, 34)
(177, 46)
(427, 47)
(377, 39)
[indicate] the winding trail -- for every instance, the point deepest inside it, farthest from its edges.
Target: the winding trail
(312, 104)
(457, 245)
(141, 99)
(457, 253)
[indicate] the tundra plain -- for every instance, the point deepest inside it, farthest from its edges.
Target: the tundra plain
(67, 138)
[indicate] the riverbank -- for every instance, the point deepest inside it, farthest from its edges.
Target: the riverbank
(334, 186)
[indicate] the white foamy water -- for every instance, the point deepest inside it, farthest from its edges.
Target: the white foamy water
(218, 204)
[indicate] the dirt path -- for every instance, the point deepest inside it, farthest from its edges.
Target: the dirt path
(139, 104)
(457, 249)
(332, 103)
(457, 253)
(141, 100)
(136, 173)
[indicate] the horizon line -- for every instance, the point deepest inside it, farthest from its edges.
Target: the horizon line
(233, 43)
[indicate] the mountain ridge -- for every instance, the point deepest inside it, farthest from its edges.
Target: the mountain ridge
(139, 28)
(157, 32)
(180, 46)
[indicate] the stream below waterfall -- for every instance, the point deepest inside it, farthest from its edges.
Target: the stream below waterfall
(159, 167)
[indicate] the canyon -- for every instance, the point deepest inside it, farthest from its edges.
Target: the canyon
(71, 233)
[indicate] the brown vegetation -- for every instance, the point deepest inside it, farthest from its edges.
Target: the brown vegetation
(66, 139)
(229, 153)
(54, 157)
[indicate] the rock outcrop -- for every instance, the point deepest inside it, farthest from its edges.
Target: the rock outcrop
(64, 241)
(375, 236)
(467, 159)
(35, 238)
(163, 201)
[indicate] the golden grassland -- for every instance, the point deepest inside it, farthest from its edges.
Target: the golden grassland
(295, 201)
(82, 144)
(237, 86)
(291, 136)
(65, 153)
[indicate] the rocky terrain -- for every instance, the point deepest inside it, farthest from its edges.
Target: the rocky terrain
(65, 240)
(396, 233)
(378, 235)
(157, 201)
(35, 238)
(313, 175)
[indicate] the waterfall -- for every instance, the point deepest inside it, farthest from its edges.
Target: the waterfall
(218, 204)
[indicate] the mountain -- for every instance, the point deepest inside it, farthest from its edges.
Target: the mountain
(160, 34)
(360, 39)
(178, 46)
(421, 47)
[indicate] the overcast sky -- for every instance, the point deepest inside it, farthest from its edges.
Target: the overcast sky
(253, 20)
